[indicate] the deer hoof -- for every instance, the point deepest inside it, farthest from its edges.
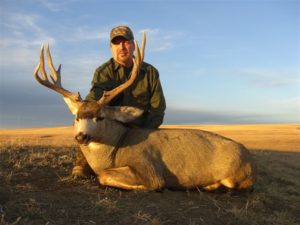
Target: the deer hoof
(78, 173)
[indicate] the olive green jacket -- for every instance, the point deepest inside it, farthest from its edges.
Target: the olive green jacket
(145, 93)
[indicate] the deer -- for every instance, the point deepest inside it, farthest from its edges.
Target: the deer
(132, 158)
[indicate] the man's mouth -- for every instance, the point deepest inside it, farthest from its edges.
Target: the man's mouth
(123, 53)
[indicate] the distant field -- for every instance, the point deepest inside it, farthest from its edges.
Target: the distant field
(36, 187)
(279, 137)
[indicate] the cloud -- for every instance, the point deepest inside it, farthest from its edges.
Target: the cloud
(268, 78)
(186, 116)
(50, 110)
(21, 35)
(22, 30)
(27, 104)
(20, 43)
(56, 5)
(290, 105)
(77, 73)
(85, 33)
(160, 40)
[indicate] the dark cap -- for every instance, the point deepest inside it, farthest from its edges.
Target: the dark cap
(121, 31)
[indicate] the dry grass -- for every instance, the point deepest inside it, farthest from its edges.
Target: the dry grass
(279, 137)
(54, 136)
(36, 187)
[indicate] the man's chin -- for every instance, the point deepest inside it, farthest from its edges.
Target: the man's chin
(123, 60)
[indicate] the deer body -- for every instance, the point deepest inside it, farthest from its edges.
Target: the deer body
(172, 158)
(142, 159)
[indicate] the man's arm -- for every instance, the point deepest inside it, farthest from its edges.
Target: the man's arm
(156, 112)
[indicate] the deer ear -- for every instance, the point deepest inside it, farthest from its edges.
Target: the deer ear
(73, 106)
(123, 114)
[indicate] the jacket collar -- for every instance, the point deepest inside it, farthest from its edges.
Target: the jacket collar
(116, 65)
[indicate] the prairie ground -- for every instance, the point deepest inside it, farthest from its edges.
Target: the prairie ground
(36, 186)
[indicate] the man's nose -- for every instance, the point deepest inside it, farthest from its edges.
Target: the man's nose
(122, 44)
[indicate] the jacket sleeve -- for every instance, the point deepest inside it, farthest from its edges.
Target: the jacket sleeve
(156, 112)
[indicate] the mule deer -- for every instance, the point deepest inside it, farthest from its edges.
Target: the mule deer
(144, 159)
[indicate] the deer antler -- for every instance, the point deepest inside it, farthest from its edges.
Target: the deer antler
(137, 61)
(55, 77)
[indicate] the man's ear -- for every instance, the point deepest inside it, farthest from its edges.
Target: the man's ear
(73, 106)
(123, 114)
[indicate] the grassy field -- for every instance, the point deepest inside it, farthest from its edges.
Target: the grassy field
(36, 187)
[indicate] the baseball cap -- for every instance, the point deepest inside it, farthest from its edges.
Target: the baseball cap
(121, 31)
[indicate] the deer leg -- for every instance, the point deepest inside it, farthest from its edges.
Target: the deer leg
(122, 177)
(81, 167)
(212, 187)
(228, 182)
(247, 183)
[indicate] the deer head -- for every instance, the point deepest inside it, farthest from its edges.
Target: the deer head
(92, 119)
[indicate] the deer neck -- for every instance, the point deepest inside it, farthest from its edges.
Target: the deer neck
(100, 153)
(115, 131)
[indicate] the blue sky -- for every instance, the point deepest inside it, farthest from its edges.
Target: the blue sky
(220, 61)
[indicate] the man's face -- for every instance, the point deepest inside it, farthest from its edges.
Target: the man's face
(122, 51)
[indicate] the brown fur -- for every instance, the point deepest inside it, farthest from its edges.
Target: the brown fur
(165, 158)
(88, 110)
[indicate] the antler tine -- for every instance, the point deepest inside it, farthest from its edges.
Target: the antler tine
(143, 45)
(56, 79)
(137, 61)
(42, 64)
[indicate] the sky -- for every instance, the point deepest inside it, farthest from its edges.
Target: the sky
(220, 61)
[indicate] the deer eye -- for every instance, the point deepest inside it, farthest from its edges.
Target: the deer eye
(99, 118)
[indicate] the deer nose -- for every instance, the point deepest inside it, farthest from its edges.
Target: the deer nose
(82, 138)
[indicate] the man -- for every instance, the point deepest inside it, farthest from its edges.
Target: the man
(145, 93)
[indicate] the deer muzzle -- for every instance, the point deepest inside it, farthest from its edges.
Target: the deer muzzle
(82, 138)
